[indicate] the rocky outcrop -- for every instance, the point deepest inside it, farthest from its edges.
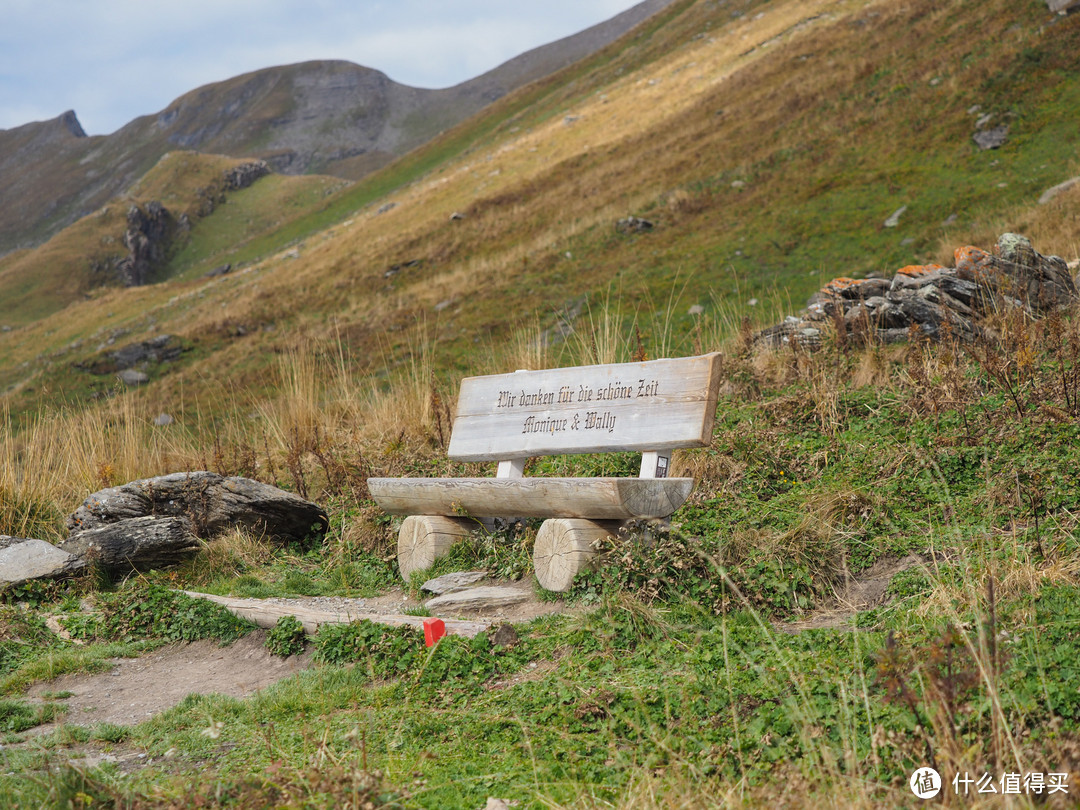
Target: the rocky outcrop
(211, 502)
(147, 241)
(632, 224)
(156, 522)
(1063, 6)
(132, 362)
(245, 174)
(931, 300)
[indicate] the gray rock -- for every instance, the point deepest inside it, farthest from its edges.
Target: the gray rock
(894, 217)
(1042, 283)
(634, 224)
(486, 597)
(244, 174)
(934, 301)
(1062, 6)
(503, 636)
(211, 502)
(163, 420)
(448, 583)
(156, 350)
(138, 543)
(991, 138)
(24, 559)
(1053, 191)
(132, 377)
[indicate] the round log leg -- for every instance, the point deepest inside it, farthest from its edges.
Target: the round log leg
(424, 538)
(564, 546)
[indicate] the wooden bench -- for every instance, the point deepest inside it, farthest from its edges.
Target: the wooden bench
(653, 407)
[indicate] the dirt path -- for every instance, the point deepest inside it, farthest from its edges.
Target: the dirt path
(866, 591)
(136, 689)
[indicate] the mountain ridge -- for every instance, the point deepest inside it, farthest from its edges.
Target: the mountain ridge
(319, 116)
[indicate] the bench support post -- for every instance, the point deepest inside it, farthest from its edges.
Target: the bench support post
(565, 546)
(511, 468)
(655, 464)
(422, 539)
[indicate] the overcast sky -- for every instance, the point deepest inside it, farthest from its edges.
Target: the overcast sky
(113, 60)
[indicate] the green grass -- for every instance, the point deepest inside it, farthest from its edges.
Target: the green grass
(675, 674)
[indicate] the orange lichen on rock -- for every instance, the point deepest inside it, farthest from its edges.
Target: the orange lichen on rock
(918, 269)
(838, 284)
(970, 259)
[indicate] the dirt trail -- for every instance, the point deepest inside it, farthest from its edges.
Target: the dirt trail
(863, 592)
(136, 689)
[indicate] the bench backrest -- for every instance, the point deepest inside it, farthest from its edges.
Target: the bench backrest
(654, 406)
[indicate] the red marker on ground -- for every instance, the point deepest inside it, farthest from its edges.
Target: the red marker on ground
(434, 629)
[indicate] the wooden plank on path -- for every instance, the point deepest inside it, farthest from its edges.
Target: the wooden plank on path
(266, 614)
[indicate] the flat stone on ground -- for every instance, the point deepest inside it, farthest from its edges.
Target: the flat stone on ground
(449, 583)
(486, 597)
(25, 559)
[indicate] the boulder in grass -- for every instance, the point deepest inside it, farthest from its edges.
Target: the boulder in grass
(23, 559)
(211, 502)
(140, 543)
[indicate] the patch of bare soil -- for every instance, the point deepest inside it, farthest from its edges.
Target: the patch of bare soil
(138, 688)
(860, 593)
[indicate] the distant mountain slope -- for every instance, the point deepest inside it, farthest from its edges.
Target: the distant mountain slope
(326, 117)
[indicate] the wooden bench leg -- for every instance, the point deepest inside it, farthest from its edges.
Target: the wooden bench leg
(424, 538)
(564, 546)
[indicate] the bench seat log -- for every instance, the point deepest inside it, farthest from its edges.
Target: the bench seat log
(596, 498)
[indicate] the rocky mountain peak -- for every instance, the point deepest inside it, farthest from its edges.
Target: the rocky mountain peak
(71, 123)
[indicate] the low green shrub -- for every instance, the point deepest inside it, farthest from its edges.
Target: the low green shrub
(148, 611)
(286, 637)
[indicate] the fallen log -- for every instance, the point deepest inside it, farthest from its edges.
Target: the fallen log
(266, 614)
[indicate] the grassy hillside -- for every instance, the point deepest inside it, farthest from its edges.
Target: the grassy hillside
(769, 145)
(711, 665)
(694, 673)
(81, 259)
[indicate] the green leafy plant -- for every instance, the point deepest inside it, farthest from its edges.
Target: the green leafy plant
(148, 611)
(286, 637)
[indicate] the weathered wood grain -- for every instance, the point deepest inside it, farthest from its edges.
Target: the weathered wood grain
(655, 405)
(564, 547)
(422, 539)
(597, 498)
(266, 614)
